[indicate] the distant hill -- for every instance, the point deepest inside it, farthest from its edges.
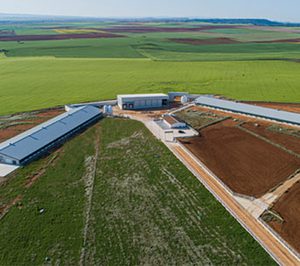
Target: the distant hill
(21, 18)
(258, 22)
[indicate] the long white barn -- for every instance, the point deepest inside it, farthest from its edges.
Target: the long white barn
(248, 109)
(33, 143)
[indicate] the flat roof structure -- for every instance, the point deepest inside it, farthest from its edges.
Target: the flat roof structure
(22, 148)
(142, 101)
(171, 119)
(159, 95)
(248, 109)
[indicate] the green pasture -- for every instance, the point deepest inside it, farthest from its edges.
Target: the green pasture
(28, 237)
(35, 83)
(146, 209)
(149, 209)
(86, 48)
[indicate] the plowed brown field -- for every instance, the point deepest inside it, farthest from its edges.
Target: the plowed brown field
(288, 208)
(58, 37)
(210, 41)
(289, 142)
(245, 163)
(143, 29)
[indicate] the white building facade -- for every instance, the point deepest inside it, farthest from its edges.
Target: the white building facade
(142, 101)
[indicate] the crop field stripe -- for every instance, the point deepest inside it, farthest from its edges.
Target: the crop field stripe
(51, 82)
(148, 208)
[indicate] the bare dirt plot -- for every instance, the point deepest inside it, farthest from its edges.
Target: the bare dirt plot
(288, 208)
(246, 164)
(51, 37)
(143, 29)
(211, 41)
(284, 138)
(297, 40)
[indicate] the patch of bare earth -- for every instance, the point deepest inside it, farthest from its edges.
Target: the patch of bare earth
(288, 208)
(246, 164)
(4, 209)
(212, 41)
(92, 35)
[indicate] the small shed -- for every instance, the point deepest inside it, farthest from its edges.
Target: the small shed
(173, 122)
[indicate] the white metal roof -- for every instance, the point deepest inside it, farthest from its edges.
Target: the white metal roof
(40, 136)
(254, 110)
(143, 95)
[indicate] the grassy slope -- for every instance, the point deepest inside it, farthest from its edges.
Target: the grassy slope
(27, 237)
(89, 48)
(43, 83)
(149, 210)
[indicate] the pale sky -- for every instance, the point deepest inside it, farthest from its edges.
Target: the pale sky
(282, 10)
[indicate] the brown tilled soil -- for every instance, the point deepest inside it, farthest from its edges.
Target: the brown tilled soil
(143, 29)
(12, 131)
(206, 41)
(58, 37)
(290, 107)
(287, 141)
(297, 40)
(288, 207)
(245, 163)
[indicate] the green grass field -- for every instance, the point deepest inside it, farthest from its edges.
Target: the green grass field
(146, 209)
(40, 74)
(35, 83)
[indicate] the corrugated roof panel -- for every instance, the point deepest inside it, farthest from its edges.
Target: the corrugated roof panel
(269, 113)
(38, 137)
(154, 95)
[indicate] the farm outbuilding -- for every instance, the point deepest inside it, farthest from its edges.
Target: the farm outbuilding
(173, 122)
(142, 101)
(35, 142)
(248, 109)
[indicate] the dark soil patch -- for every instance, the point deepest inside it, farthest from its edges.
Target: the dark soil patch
(58, 37)
(143, 29)
(245, 163)
(288, 208)
(287, 141)
(206, 41)
(297, 40)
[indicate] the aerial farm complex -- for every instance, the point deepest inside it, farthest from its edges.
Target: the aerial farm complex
(248, 155)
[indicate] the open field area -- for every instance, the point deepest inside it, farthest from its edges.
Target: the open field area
(288, 209)
(245, 163)
(57, 63)
(146, 207)
(115, 195)
(49, 82)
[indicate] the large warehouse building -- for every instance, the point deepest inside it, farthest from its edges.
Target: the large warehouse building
(35, 142)
(142, 101)
(248, 109)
